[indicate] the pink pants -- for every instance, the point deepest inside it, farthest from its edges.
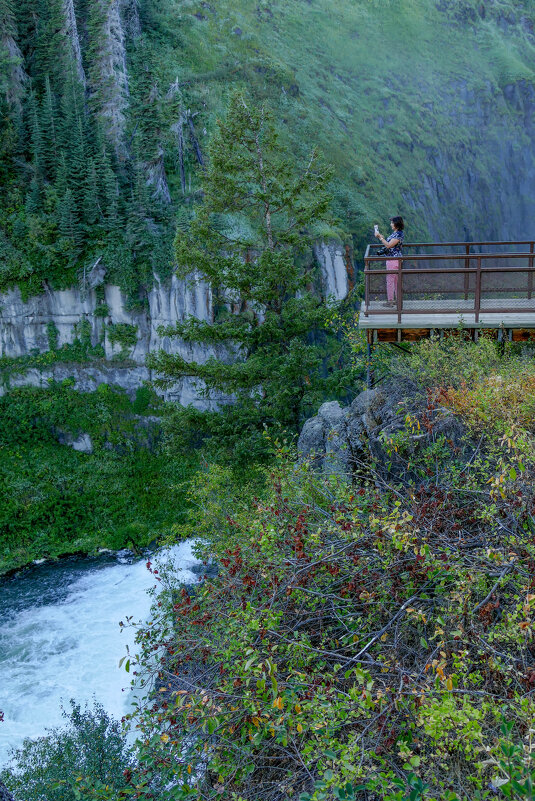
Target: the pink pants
(392, 280)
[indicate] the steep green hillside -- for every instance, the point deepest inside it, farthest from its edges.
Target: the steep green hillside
(424, 108)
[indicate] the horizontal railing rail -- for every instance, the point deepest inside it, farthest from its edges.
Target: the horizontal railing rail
(465, 245)
(475, 267)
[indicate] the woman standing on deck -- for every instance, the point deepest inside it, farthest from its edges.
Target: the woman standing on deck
(394, 243)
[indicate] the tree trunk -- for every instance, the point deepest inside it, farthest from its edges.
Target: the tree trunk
(178, 128)
(195, 141)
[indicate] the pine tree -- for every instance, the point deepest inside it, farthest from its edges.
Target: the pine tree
(49, 127)
(249, 241)
(69, 223)
(111, 200)
(62, 175)
(37, 144)
(74, 136)
(91, 198)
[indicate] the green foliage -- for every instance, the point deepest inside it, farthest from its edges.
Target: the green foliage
(122, 334)
(456, 360)
(55, 500)
(249, 240)
(89, 747)
(356, 642)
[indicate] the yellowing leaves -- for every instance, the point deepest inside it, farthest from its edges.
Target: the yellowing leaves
(278, 703)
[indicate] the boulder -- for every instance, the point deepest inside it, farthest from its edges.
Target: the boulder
(337, 439)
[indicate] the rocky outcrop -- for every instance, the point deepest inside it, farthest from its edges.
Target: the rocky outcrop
(338, 439)
(109, 76)
(478, 185)
(341, 441)
(16, 78)
(334, 268)
(136, 432)
(71, 35)
(132, 21)
(25, 329)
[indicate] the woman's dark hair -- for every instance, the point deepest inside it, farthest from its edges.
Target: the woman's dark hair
(398, 222)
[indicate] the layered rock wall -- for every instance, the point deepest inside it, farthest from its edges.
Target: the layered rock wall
(25, 328)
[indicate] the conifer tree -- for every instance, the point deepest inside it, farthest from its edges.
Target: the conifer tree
(37, 149)
(69, 223)
(111, 200)
(91, 198)
(49, 125)
(249, 241)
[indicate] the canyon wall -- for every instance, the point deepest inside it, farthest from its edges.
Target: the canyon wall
(25, 328)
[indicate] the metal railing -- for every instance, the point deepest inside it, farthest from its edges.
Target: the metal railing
(453, 283)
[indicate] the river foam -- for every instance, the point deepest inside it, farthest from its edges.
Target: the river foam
(60, 639)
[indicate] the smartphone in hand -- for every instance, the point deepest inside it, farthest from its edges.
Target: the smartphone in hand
(376, 229)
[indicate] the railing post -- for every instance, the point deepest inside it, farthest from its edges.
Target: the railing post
(530, 273)
(477, 304)
(366, 287)
(466, 277)
(399, 292)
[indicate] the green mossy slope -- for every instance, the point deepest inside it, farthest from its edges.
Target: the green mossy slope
(424, 108)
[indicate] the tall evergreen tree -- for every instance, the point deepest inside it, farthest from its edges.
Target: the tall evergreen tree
(69, 221)
(37, 144)
(249, 241)
(91, 199)
(49, 126)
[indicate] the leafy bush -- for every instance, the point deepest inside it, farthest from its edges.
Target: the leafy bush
(358, 641)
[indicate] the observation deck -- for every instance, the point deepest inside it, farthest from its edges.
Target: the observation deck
(476, 286)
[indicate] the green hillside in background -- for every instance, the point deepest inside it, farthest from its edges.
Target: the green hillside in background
(423, 107)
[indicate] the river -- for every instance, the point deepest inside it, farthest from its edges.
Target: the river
(60, 638)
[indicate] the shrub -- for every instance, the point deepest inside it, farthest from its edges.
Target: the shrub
(358, 641)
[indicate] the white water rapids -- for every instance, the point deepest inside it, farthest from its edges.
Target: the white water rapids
(60, 639)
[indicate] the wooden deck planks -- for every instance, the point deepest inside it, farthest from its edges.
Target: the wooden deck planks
(429, 316)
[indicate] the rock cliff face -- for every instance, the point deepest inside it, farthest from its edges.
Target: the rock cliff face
(486, 176)
(24, 327)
